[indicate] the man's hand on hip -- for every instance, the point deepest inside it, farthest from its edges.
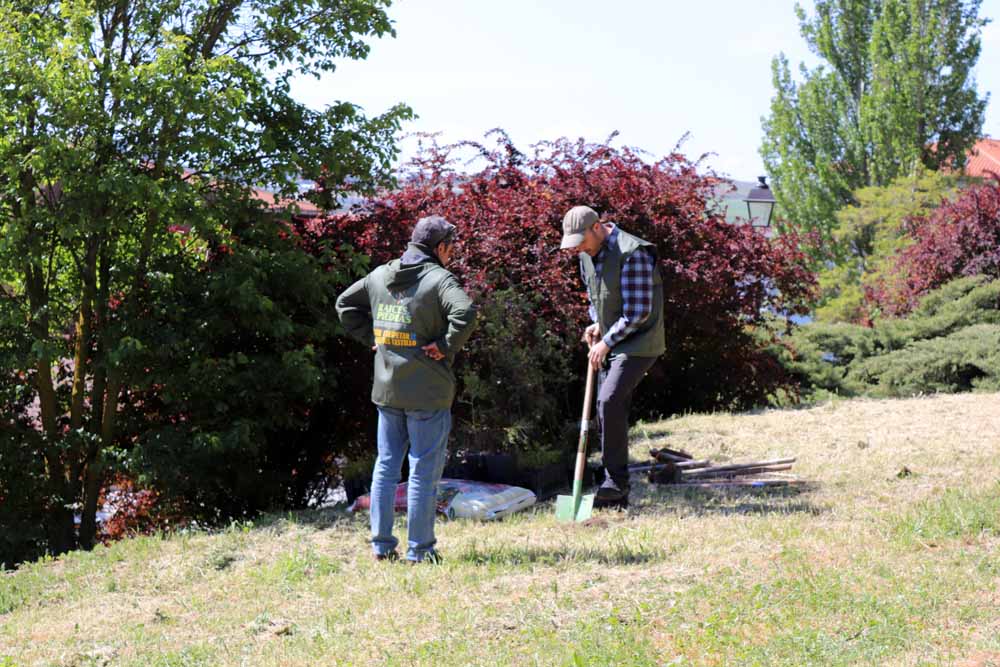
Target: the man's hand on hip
(591, 334)
(433, 351)
(598, 353)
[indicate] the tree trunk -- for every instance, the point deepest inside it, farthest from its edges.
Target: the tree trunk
(60, 519)
(84, 332)
(89, 468)
(101, 342)
(61, 530)
(93, 482)
(109, 416)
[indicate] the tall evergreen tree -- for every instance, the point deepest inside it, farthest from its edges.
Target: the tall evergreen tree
(895, 92)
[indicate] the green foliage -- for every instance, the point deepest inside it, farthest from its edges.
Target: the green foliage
(22, 471)
(295, 567)
(516, 378)
(22, 475)
(821, 354)
(131, 136)
(956, 305)
(966, 360)
(895, 91)
(868, 234)
(236, 362)
(950, 343)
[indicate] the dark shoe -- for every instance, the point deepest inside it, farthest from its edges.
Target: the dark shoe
(389, 556)
(609, 496)
(432, 557)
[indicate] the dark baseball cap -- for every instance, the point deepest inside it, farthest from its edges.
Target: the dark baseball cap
(431, 231)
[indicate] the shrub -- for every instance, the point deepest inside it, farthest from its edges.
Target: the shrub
(868, 236)
(966, 360)
(239, 409)
(960, 303)
(820, 355)
(959, 238)
(948, 343)
(514, 396)
(139, 511)
(21, 471)
(721, 280)
(23, 536)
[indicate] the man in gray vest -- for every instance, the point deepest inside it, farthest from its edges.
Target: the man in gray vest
(415, 317)
(622, 276)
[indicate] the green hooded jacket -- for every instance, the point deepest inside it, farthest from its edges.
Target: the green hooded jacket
(400, 308)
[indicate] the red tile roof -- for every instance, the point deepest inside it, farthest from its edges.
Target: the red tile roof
(306, 208)
(984, 158)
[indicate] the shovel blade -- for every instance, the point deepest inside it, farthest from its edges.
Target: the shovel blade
(570, 508)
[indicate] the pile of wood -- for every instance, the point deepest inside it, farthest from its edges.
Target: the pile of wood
(676, 467)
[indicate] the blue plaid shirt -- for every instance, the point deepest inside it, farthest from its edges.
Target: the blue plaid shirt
(637, 290)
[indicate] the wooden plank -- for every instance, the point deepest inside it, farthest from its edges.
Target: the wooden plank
(752, 464)
(737, 483)
(734, 472)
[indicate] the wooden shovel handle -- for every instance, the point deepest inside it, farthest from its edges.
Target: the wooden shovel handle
(581, 450)
(588, 397)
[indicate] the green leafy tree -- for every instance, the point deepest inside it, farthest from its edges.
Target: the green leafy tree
(119, 123)
(869, 234)
(236, 392)
(895, 90)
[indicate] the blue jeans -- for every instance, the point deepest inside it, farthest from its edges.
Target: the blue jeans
(425, 432)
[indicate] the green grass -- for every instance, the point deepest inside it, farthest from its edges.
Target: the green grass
(954, 514)
(864, 567)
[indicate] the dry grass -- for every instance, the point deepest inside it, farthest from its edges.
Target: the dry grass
(865, 567)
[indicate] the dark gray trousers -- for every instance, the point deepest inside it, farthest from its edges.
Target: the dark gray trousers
(617, 380)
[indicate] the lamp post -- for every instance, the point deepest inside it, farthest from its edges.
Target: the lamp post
(760, 204)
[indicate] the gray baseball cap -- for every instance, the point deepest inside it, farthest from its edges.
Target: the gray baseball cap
(576, 221)
(432, 230)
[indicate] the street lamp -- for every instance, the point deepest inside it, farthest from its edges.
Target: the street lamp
(760, 204)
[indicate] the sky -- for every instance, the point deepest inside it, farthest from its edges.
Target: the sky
(543, 69)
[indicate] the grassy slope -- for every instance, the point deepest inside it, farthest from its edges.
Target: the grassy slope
(867, 568)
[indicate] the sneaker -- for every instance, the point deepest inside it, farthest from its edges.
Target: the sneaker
(432, 557)
(389, 556)
(609, 496)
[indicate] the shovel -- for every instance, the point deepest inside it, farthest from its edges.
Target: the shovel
(579, 507)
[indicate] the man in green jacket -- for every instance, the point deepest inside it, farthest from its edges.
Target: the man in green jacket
(415, 316)
(622, 276)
